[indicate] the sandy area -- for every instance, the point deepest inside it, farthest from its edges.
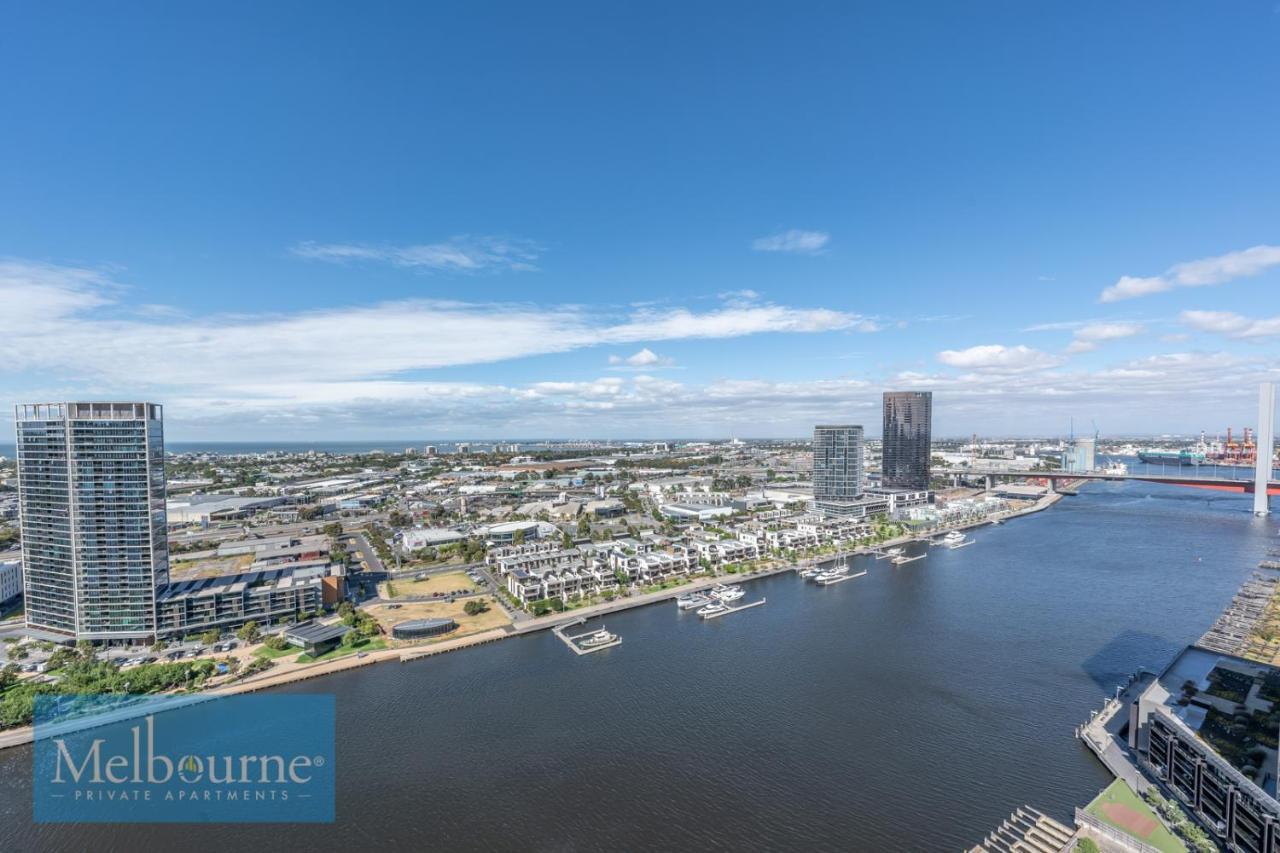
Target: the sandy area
(388, 616)
(444, 584)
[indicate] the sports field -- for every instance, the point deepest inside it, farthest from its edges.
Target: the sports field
(1119, 806)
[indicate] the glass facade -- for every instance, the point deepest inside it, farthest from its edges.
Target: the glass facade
(92, 509)
(908, 439)
(837, 466)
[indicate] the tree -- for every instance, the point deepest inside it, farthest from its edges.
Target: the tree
(566, 541)
(517, 538)
(209, 637)
(310, 513)
(276, 643)
(1086, 845)
(249, 633)
(349, 639)
(475, 607)
(8, 676)
(584, 526)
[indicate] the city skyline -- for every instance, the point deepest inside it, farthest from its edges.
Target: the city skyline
(382, 259)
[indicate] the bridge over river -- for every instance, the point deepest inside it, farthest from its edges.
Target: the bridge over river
(1220, 478)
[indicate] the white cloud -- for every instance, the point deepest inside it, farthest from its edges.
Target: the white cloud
(1091, 335)
(1230, 324)
(645, 358)
(1206, 271)
(794, 240)
(1181, 389)
(997, 358)
(60, 320)
(457, 254)
(728, 322)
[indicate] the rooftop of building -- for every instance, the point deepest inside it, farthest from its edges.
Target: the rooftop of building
(1230, 703)
(282, 578)
(313, 632)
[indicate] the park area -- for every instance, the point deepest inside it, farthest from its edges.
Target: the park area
(440, 585)
(391, 615)
(1120, 807)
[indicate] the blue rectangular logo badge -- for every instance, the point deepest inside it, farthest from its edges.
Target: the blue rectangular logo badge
(184, 759)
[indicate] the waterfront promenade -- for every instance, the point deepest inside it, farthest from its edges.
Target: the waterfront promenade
(289, 673)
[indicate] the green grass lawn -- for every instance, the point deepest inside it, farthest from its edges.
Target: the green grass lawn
(342, 652)
(1119, 793)
(272, 654)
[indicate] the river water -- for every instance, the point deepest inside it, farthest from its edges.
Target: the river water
(910, 709)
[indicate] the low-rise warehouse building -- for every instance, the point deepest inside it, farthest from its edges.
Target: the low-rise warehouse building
(211, 509)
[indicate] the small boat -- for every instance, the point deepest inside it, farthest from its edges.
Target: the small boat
(894, 552)
(691, 600)
(599, 638)
(732, 593)
(955, 537)
(712, 609)
(810, 572)
(833, 572)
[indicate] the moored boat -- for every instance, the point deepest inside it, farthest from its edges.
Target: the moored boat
(599, 638)
(691, 600)
(729, 593)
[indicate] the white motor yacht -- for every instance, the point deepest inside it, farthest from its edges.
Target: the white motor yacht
(691, 600)
(599, 638)
(729, 593)
(712, 609)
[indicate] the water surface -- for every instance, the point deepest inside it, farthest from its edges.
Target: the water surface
(911, 709)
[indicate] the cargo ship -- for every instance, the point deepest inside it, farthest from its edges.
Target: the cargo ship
(1153, 456)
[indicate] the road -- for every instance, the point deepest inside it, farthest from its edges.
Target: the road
(367, 553)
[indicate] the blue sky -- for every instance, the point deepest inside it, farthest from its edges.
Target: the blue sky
(325, 220)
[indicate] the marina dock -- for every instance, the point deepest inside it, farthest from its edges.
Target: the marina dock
(841, 579)
(573, 641)
(900, 561)
(733, 609)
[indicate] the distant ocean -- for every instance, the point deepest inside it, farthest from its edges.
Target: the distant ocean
(336, 446)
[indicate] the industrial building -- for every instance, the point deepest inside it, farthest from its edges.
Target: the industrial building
(211, 509)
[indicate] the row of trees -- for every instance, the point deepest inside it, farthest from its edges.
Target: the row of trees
(83, 673)
(1197, 839)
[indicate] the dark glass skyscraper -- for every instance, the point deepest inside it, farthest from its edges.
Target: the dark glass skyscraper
(907, 439)
(91, 497)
